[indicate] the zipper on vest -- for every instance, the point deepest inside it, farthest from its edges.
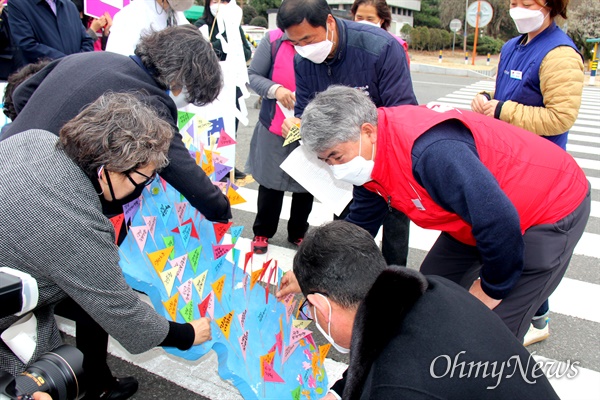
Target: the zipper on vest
(389, 203)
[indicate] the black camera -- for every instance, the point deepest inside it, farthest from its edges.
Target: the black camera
(58, 372)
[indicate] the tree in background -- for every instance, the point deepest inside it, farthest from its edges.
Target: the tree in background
(261, 6)
(429, 15)
(248, 14)
(259, 21)
(584, 23)
(501, 26)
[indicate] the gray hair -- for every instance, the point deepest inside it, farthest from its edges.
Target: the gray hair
(179, 56)
(117, 131)
(335, 116)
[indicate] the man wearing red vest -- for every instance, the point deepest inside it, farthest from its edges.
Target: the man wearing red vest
(511, 206)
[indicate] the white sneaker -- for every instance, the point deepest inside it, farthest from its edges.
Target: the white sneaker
(535, 335)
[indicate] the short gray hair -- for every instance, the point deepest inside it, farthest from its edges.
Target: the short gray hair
(117, 131)
(335, 116)
(180, 56)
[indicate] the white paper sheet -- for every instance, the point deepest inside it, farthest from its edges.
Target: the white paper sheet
(315, 176)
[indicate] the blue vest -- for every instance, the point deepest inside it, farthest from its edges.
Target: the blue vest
(519, 70)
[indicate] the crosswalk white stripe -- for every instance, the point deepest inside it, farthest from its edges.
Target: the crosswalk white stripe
(584, 138)
(577, 299)
(588, 164)
(577, 148)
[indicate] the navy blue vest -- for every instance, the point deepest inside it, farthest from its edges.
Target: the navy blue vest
(518, 73)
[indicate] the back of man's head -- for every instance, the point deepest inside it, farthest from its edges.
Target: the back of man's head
(178, 57)
(340, 260)
(293, 12)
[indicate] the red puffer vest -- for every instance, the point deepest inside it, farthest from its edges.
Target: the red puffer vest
(543, 182)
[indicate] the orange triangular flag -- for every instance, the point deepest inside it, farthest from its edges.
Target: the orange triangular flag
(225, 324)
(255, 277)
(218, 287)
(323, 350)
(266, 359)
(233, 196)
(159, 258)
(171, 305)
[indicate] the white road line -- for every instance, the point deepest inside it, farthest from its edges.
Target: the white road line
(577, 299)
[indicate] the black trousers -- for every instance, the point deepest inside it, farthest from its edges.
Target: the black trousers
(270, 202)
(548, 251)
(92, 340)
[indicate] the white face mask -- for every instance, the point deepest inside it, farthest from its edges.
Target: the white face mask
(364, 21)
(181, 99)
(327, 335)
(180, 5)
(216, 7)
(356, 171)
(317, 52)
(527, 20)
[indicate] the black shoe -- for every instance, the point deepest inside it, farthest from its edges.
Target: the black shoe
(238, 174)
(120, 389)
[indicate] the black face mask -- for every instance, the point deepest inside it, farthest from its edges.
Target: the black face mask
(115, 207)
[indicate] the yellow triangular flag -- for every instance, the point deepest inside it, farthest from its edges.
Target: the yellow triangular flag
(234, 197)
(267, 358)
(171, 305)
(254, 277)
(202, 125)
(159, 258)
(168, 279)
(323, 350)
(301, 324)
(292, 136)
(225, 324)
(218, 287)
(208, 169)
(199, 283)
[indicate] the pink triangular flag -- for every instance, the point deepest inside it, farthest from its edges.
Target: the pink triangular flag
(140, 233)
(179, 263)
(185, 289)
(289, 310)
(271, 375)
(220, 250)
(244, 343)
(279, 341)
(287, 352)
(180, 211)
(151, 224)
(242, 318)
(225, 140)
(297, 334)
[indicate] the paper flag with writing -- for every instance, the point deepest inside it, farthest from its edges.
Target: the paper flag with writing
(242, 319)
(117, 222)
(207, 306)
(236, 232)
(225, 140)
(297, 334)
(266, 359)
(221, 230)
(194, 232)
(301, 324)
(199, 283)
(208, 169)
(151, 224)
(287, 352)
(168, 279)
(183, 118)
(187, 312)
(323, 350)
(159, 258)
(289, 310)
(219, 159)
(165, 211)
(279, 341)
(202, 125)
(220, 250)
(194, 256)
(293, 135)
(224, 323)
(244, 343)
(296, 392)
(170, 242)
(180, 211)
(185, 232)
(171, 306)
(218, 286)
(131, 208)
(221, 171)
(271, 375)
(185, 289)
(234, 197)
(140, 233)
(179, 263)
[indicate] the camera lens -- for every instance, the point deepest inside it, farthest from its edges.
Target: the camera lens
(58, 373)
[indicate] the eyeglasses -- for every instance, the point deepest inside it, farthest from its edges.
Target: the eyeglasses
(148, 181)
(305, 312)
